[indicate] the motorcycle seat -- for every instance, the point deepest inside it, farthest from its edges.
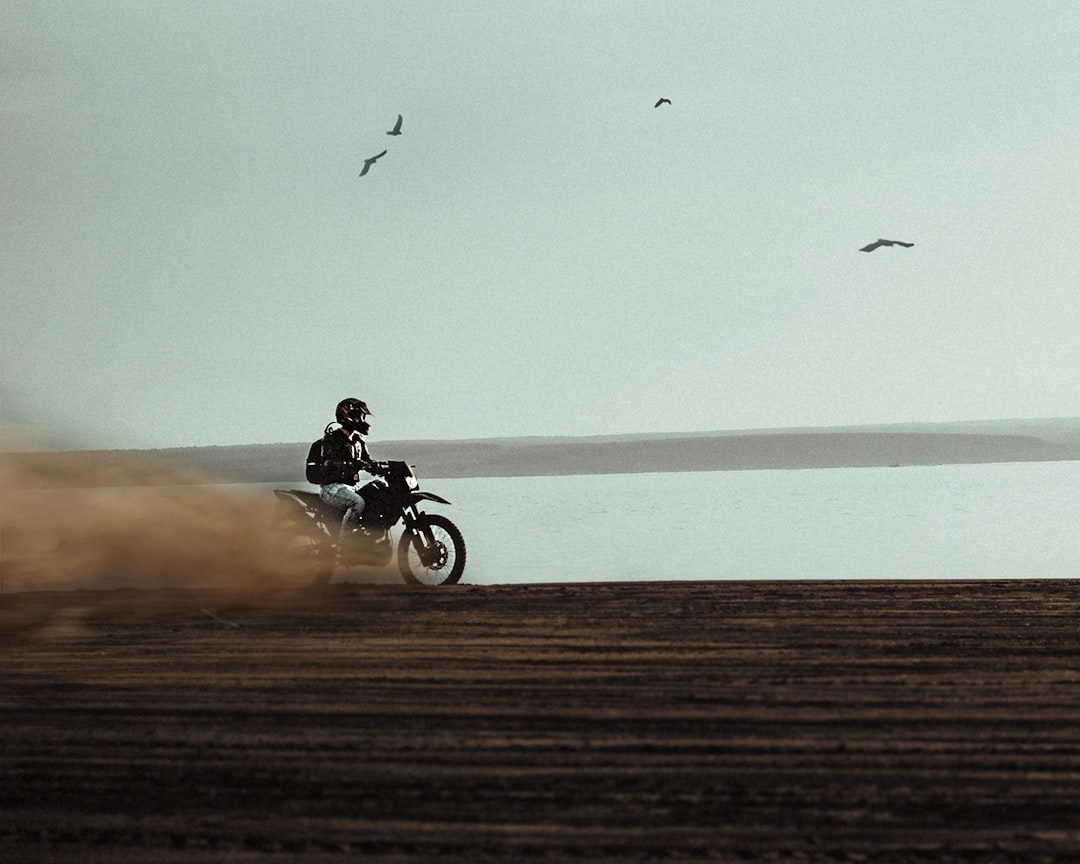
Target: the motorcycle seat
(311, 500)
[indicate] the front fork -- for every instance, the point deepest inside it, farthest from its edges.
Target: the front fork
(411, 519)
(426, 545)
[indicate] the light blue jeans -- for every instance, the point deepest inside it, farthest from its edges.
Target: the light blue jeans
(344, 497)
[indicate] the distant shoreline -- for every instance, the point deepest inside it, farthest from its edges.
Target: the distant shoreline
(846, 447)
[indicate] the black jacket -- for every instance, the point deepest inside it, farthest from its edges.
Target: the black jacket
(344, 457)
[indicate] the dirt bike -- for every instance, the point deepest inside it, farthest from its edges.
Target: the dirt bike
(430, 549)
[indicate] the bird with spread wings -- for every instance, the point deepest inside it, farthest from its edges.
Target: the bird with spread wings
(870, 247)
(369, 162)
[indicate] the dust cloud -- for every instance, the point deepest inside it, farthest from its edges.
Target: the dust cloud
(68, 522)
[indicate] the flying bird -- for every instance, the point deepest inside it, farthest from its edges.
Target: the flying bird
(661, 101)
(369, 162)
(872, 246)
(397, 127)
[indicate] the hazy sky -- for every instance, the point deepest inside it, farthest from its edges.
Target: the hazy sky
(189, 257)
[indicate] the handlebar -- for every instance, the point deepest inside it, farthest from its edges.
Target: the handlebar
(379, 469)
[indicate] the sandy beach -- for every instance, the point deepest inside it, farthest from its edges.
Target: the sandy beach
(714, 721)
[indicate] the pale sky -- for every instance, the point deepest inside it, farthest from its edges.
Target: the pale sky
(189, 257)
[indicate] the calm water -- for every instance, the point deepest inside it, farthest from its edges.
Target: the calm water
(999, 521)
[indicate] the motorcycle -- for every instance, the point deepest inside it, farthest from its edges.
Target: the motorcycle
(430, 549)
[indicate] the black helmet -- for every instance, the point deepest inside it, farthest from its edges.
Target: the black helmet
(352, 415)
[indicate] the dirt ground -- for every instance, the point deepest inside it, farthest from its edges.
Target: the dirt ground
(667, 721)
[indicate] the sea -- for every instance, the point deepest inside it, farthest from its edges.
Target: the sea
(985, 521)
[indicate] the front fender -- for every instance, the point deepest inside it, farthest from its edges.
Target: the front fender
(428, 496)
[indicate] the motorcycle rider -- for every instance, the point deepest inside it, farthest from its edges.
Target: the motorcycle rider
(345, 454)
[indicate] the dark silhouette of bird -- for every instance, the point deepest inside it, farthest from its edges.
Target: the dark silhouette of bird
(661, 101)
(369, 162)
(872, 246)
(397, 127)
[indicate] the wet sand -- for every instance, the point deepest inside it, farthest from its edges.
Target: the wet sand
(681, 721)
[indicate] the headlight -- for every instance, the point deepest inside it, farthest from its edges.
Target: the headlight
(412, 482)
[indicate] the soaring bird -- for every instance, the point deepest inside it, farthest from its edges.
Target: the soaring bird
(369, 162)
(872, 246)
(661, 101)
(397, 127)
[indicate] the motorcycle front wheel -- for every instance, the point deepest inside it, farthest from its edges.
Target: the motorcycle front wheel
(433, 553)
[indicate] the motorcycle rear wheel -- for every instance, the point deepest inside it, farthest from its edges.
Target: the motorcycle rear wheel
(309, 555)
(433, 554)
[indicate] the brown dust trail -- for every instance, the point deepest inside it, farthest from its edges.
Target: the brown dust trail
(68, 522)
